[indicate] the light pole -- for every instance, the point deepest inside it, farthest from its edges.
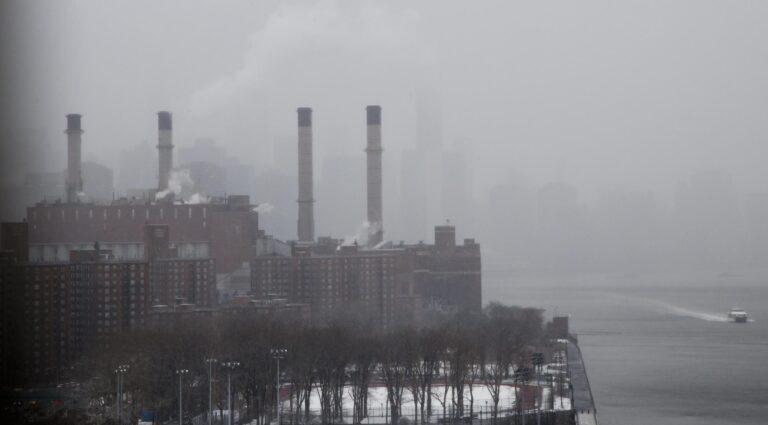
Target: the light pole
(538, 361)
(119, 372)
(278, 353)
(181, 373)
(210, 362)
(522, 374)
(230, 367)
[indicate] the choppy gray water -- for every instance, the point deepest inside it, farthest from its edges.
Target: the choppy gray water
(658, 349)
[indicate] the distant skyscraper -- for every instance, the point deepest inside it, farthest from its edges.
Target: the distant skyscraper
(413, 196)
(341, 191)
(206, 178)
(98, 181)
(430, 143)
(202, 149)
(456, 189)
(135, 170)
(708, 217)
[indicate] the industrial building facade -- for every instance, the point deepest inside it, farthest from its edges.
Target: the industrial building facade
(224, 230)
(447, 275)
(390, 284)
(377, 283)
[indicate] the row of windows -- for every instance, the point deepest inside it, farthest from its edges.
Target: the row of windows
(119, 213)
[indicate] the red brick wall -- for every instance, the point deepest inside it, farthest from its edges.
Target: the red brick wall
(116, 223)
(230, 232)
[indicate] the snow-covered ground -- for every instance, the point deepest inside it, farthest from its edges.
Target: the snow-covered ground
(483, 402)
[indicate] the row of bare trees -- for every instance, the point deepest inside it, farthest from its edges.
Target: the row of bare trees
(454, 353)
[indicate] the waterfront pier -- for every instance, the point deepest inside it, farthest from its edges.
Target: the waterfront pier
(583, 403)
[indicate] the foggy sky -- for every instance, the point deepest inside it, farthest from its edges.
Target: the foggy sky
(633, 94)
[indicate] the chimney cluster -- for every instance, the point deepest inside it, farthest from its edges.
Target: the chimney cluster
(74, 131)
(306, 223)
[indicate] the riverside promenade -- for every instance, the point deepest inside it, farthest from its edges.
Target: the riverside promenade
(583, 403)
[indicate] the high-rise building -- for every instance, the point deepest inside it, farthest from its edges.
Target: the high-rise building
(53, 312)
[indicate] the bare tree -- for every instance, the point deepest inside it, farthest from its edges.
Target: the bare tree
(423, 366)
(363, 365)
(394, 362)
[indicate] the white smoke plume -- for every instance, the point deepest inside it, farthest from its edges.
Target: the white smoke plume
(362, 234)
(197, 198)
(177, 180)
(264, 208)
(296, 31)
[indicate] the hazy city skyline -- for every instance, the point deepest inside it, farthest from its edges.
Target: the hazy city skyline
(637, 98)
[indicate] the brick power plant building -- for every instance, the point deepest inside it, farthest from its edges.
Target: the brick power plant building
(224, 229)
(74, 271)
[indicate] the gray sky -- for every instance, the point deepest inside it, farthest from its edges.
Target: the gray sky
(634, 93)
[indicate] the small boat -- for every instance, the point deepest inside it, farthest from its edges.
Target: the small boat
(738, 315)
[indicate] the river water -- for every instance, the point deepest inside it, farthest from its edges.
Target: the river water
(657, 347)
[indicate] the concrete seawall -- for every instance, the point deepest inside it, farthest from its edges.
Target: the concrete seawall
(583, 403)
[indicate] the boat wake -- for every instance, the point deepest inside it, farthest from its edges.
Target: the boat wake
(684, 312)
(667, 308)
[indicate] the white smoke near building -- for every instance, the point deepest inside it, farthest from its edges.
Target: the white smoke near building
(177, 180)
(362, 234)
(197, 198)
(264, 208)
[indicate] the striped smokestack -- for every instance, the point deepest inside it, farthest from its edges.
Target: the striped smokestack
(373, 152)
(164, 148)
(74, 183)
(306, 222)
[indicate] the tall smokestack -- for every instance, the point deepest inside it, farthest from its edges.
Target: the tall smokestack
(373, 152)
(164, 148)
(306, 223)
(74, 184)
